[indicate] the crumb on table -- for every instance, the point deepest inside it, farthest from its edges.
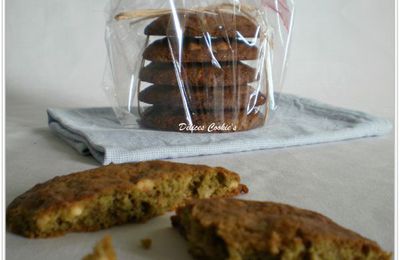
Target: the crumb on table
(103, 250)
(146, 243)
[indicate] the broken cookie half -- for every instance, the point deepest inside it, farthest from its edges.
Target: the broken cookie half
(238, 229)
(115, 194)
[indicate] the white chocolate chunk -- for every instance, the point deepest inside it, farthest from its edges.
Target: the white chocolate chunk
(43, 221)
(145, 185)
(76, 211)
(234, 185)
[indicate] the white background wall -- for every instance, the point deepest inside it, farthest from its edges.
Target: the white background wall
(342, 53)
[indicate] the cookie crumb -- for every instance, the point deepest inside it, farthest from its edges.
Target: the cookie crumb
(103, 250)
(146, 243)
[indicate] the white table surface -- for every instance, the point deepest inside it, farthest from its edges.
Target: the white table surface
(343, 54)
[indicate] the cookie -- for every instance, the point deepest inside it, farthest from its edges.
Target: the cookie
(199, 74)
(239, 229)
(103, 250)
(198, 50)
(115, 194)
(222, 24)
(161, 118)
(203, 98)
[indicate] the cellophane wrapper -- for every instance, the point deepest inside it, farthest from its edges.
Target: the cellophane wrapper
(196, 66)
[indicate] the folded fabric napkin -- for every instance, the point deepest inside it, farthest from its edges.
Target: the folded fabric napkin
(297, 121)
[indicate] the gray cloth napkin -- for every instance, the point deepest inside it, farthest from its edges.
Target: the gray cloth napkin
(297, 121)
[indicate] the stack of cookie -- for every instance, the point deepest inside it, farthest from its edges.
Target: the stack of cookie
(199, 81)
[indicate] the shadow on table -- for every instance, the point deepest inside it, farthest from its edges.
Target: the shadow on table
(61, 146)
(167, 243)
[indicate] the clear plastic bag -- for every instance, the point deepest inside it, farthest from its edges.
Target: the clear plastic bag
(196, 66)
